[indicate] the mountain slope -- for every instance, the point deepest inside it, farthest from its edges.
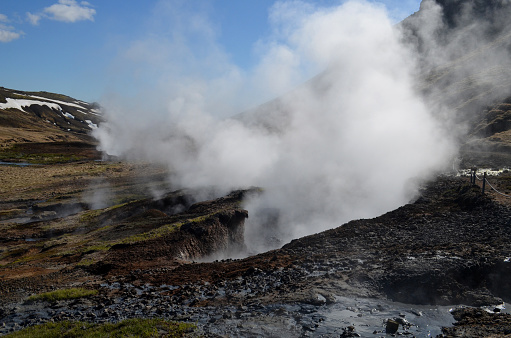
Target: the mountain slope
(465, 65)
(45, 117)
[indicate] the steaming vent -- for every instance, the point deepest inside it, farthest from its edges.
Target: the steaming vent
(364, 110)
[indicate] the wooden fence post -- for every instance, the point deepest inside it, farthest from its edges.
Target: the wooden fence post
(484, 181)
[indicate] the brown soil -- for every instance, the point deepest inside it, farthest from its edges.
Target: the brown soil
(472, 322)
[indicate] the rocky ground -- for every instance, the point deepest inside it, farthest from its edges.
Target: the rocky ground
(401, 271)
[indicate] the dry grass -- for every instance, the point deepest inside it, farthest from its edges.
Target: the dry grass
(46, 182)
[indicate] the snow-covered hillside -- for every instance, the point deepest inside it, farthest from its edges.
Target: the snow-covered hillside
(43, 116)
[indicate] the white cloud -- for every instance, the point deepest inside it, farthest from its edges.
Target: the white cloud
(70, 11)
(64, 11)
(33, 18)
(7, 33)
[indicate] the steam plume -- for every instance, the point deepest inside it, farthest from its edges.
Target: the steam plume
(349, 143)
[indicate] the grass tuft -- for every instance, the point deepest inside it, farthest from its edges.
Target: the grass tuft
(138, 327)
(153, 234)
(63, 294)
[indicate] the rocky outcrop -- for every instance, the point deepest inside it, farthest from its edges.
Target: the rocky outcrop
(472, 323)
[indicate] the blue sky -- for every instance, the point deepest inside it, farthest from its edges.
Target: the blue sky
(87, 49)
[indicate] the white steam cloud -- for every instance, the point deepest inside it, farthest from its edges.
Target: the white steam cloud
(354, 138)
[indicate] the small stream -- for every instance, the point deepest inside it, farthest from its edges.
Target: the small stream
(367, 316)
(19, 164)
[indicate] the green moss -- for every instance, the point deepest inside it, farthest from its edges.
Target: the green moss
(89, 216)
(13, 254)
(14, 155)
(63, 294)
(86, 262)
(164, 230)
(10, 213)
(103, 228)
(199, 219)
(137, 327)
(97, 247)
(153, 234)
(29, 258)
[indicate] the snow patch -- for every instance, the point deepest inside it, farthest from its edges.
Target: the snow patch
(68, 115)
(69, 104)
(91, 124)
(95, 111)
(19, 104)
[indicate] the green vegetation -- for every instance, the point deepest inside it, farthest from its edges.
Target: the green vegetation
(63, 294)
(86, 262)
(153, 234)
(10, 213)
(97, 247)
(163, 230)
(14, 253)
(89, 216)
(14, 156)
(138, 327)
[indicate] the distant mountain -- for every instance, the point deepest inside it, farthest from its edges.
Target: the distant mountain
(45, 117)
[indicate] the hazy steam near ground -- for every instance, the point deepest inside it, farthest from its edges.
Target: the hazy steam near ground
(358, 136)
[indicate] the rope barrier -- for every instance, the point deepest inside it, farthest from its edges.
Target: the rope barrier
(498, 192)
(485, 180)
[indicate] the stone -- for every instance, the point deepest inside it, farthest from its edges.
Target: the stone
(392, 326)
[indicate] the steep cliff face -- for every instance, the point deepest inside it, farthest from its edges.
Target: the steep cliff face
(220, 233)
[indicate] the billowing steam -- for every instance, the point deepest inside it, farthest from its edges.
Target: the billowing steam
(349, 143)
